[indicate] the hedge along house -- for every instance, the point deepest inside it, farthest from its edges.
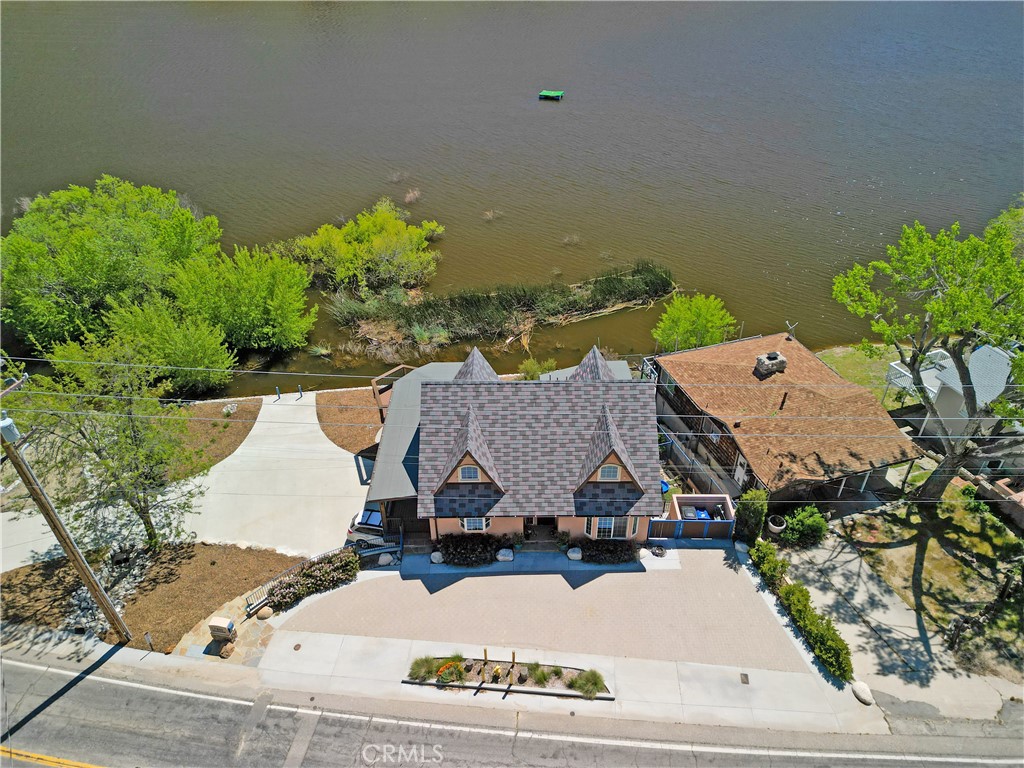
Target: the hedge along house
(765, 412)
(575, 452)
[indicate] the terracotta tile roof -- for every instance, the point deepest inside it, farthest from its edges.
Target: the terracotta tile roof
(826, 428)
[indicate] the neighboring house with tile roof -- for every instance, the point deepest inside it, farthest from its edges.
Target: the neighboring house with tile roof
(765, 412)
(470, 451)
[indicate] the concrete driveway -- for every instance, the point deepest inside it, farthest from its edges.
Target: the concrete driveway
(705, 610)
(286, 487)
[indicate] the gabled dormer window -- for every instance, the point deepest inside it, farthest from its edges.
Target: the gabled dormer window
(609, 473)
(469, 474)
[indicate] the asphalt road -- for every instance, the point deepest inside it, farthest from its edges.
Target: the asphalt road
(108, 722)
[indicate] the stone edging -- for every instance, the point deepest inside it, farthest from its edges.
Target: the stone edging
(568, 694)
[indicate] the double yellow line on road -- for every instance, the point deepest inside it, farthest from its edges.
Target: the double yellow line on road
(32, 757)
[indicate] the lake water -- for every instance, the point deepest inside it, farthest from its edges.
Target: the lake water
(756, 149)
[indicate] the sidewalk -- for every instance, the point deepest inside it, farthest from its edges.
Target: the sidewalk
(286, 487)
(893, 650)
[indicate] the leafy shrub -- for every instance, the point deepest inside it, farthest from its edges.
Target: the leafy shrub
(531, 369)
(607, 551)
(973, 504)
(772, 567)
(470, 549)
(320, 576)
(451, 669)
(538, 674)
(589, 683)
(821, 634)
(750, 513)
(805, 527)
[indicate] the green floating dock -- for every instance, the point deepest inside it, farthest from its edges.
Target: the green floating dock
(552, 95)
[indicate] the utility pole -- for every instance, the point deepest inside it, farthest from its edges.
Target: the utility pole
(9, 436)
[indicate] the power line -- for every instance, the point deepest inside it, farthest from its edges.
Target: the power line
(378, 425)
(681, 384)
(373, 406)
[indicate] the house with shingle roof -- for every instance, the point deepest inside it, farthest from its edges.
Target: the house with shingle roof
(575, 452)
(765, 412)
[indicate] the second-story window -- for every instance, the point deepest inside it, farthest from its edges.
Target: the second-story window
(469, 474)
(609, 472)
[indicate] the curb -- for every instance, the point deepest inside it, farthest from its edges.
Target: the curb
(566, 694)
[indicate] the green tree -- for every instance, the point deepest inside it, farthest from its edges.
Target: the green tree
(693, 321)
(943, 293)
(77, 248)
(531, 369)
(193, 350)
(375, 250)
(751, 511)
(104, 443)
(258, 298)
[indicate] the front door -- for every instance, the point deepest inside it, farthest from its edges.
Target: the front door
(740, 474)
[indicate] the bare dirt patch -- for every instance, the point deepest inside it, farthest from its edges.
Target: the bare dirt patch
(349, 418)
(183, 585)
(952, 564)
(212, 436)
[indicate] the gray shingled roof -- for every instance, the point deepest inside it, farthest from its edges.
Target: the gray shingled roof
(396, 466)
(469, 439)
(593, 367)
(604, 441)
(539, 435)
(619, 368)
(476, 368)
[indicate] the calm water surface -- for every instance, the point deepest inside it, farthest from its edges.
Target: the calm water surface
(756, 149)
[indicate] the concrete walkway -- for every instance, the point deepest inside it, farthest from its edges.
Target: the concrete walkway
(904, 662)
(286, 487)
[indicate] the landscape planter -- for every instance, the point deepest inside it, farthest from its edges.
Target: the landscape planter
(776, 523)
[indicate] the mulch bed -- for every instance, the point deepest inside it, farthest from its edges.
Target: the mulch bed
(349, 418)
(38, 594)
(215, 435)
(188, 582)
(184, 584)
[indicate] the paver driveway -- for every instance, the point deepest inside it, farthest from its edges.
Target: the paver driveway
(708, 611)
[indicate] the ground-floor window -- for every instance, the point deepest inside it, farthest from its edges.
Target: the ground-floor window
(606, 527)
(475, 523)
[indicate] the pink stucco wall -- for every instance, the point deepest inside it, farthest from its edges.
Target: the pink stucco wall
(499, 526)
(576, 526)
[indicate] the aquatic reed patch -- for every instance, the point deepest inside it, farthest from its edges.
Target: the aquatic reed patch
(503, 311)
